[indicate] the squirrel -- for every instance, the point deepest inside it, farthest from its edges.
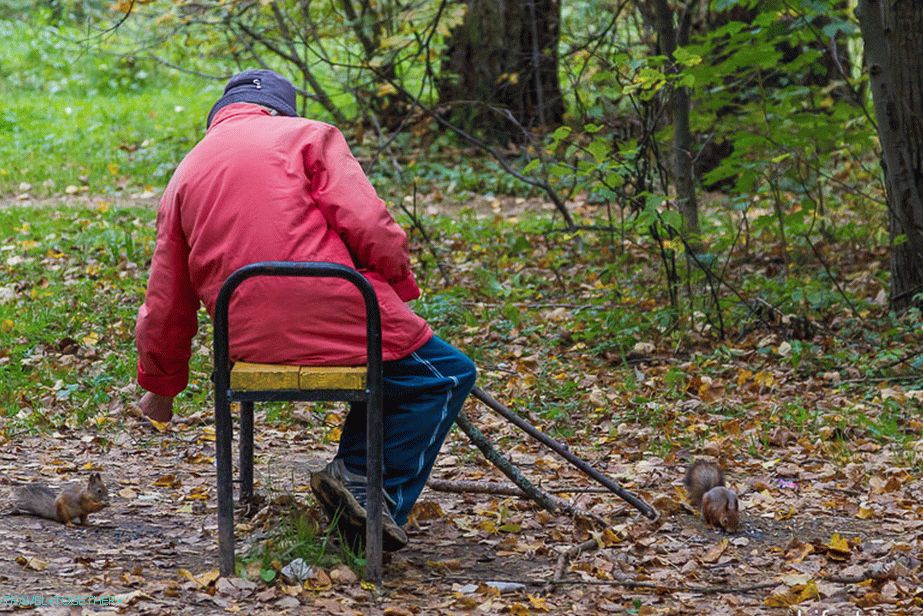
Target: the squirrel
(71, 502)
(705, 485)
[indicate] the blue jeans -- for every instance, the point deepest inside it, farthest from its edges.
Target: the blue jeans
(423, 393)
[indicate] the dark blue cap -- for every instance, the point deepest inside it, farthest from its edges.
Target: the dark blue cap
(261, 87)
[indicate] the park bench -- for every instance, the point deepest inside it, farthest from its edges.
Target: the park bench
(248, 383)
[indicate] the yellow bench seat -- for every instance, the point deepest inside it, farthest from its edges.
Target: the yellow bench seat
(247, 376)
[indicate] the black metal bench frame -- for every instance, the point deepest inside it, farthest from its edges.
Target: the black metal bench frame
(224, 395)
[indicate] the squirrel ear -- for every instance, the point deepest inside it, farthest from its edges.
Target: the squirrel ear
(95, 476)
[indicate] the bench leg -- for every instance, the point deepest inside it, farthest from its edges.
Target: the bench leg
(225, 490)
(374, 504)
(246, 452)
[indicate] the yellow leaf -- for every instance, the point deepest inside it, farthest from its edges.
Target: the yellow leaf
(160, 426)
(90, 339)
(168, 481)
(488, 526)
(539, 603)
(197, 493)
(113, 170)
(208, 577)
(518, 609)
(7, 325)
(31, 563)
(333, 435)
(367, 585)
(809, 592)
(203, 580)
(865, 514)
(784, 599)
(838, 543)
(200, 459)
(793, 596)
(837, 547)
(186, 573)
(608, 538)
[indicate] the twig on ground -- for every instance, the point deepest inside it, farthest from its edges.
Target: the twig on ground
(500, 489)
(546, 501)
(905, 358)
(660, 588)
(566, 556)
(562, 451)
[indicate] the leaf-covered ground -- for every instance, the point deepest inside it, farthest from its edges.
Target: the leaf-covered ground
(814, 414)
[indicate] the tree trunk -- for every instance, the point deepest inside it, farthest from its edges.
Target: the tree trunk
(894, 56)
(504, 55)
(682, 136)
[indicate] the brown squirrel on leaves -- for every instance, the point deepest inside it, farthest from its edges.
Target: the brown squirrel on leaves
(71, 502)
(705, 485)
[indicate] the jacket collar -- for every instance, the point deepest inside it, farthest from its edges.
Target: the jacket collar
(237, 110)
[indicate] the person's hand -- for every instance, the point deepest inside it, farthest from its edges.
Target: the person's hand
(158, 408)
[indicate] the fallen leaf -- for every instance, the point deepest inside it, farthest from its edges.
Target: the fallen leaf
(168, 481)
(539, 603)
(343, 575)
(837, 547)
(203, 580)
(712, 555)
(31, 563)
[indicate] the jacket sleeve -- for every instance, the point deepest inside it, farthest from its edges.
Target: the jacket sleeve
(167, 321)
(347, 200)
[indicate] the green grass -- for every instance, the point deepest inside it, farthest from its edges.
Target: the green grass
(88, 119)
(298, 534)
(72, 282)
(103, 144)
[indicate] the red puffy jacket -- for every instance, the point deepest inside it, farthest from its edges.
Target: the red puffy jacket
(266, 188)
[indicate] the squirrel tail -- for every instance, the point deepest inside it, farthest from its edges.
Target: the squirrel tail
(701, 477)
(36, 500)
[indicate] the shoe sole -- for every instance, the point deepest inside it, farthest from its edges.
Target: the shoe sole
(335, 497)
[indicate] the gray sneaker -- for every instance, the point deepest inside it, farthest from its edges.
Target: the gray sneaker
(343, 492)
